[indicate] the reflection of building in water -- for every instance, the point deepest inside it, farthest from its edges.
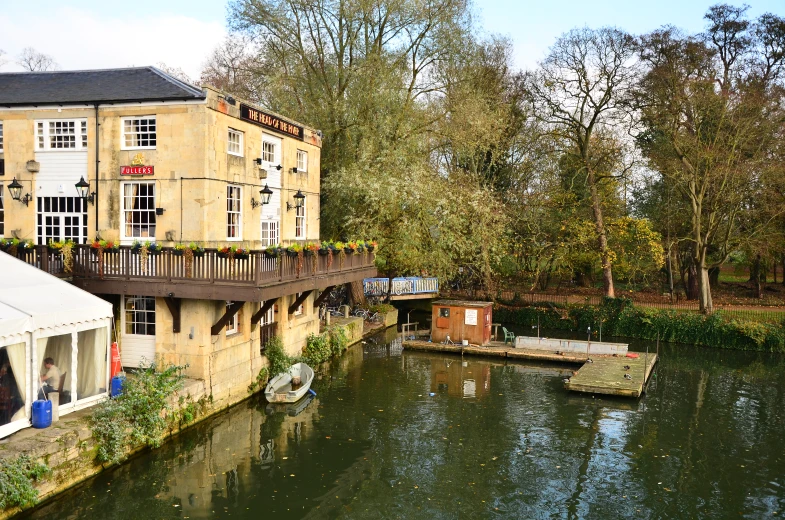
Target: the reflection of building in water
(217, 472)
(470, 381)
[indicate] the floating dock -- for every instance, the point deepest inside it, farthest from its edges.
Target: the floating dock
(620, 376)
(608, 374)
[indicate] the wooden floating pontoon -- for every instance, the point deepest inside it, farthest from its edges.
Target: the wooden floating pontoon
(605, 375)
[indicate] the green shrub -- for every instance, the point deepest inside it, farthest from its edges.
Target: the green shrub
(276, 357)
(16, 481)
(140, 415)
(261, 380)
(381, 308)
(620, 318)
(319, 348)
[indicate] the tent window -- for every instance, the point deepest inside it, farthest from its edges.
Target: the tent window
(13, 397)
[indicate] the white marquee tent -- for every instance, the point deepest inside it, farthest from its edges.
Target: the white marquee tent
(44, 317)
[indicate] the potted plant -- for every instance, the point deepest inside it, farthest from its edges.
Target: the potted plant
(179, 249)
(370, 246)
(272, 251)
(136, 247)
(360, 246)
(324, 248)
(197, 250)
(226, 251)
(153, 248)
(293, 250)
(241, 253)
(311, 248)
(350, 248)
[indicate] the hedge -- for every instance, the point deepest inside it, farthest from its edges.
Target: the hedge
(620, 318)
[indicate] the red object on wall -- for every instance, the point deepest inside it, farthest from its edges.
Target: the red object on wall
(137, 170)
(117, 366)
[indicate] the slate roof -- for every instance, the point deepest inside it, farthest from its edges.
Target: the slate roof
(91, 86)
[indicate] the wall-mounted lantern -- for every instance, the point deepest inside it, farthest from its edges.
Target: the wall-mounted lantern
(83, 188)
(299, 201)
(265, 193)
(15, 189)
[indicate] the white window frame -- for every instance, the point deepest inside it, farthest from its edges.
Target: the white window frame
(1, 139)
(272, 235)
(238, 143)
(234, 209)
(268, 155)
(146, 311)
(123, 209)
(44, 133)
(124, 134)
(302, 161)
(300, 222)
(233, 326)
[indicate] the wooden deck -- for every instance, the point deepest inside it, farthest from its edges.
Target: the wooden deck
(605, 375)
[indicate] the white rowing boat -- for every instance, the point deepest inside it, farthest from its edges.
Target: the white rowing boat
(279, 389)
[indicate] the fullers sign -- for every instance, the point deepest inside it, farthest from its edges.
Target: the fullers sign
(271, 122)
(137, 170)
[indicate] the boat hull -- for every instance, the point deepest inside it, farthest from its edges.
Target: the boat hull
(273, 392)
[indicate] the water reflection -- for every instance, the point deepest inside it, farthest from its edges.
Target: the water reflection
(495, 439)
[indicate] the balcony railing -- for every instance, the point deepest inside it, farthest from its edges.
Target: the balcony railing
(169, 265)
(400, 286)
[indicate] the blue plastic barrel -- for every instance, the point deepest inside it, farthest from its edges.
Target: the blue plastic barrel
(117, 385)
(42, 413)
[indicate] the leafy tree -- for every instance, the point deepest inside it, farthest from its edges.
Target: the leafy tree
(581, 93)
(713, 119)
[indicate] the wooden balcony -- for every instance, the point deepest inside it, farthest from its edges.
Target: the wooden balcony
(211, 276)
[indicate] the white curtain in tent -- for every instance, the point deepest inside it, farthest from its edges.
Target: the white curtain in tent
(91, 363)
(59, 348)
(16, 356)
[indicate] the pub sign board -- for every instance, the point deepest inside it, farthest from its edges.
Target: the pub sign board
(137, 170)
(269, 121)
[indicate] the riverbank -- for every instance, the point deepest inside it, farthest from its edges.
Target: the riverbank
(619, 317)
(69, 449)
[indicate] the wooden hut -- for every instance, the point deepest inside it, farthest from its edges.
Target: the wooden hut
(461, 320)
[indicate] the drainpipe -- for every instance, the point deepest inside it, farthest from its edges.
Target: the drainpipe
(97, 162)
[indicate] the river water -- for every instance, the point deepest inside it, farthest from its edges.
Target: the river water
(495, 440)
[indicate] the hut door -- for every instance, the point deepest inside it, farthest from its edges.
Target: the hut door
(486, 326)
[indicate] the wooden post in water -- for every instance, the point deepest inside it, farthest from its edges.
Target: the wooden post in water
(588, 344)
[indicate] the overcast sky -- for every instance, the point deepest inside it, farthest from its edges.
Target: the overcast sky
(89, 34)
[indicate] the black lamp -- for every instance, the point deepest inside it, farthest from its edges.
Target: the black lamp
(266, 193)
(15, 189)
(279, 167)
(294, 169)
(83, 188)
(299, 201)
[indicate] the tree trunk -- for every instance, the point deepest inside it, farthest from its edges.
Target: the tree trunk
(704, 287)
(692, 287)
(602, 239)
(714, 277)
(670, 273)
(758, 275)
(356, 292)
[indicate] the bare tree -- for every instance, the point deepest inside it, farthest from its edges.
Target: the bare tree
(3, 61)
(233, 67)
(175, 72)
(34, 61)
(581, 93)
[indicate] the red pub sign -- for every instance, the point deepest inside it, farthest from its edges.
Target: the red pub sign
(137, 170)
